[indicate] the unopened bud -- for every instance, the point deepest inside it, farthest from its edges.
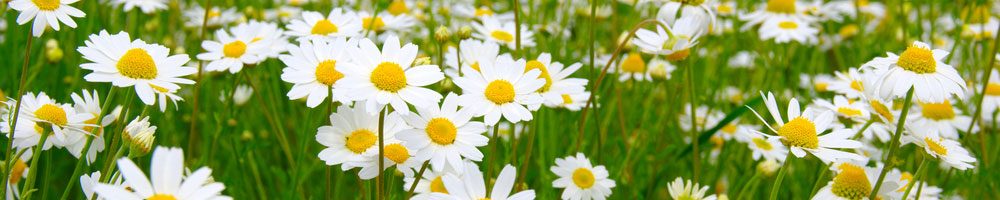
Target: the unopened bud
(422, 61)
(768, 167)
(52, 51)
(464, 33)
(442, 34)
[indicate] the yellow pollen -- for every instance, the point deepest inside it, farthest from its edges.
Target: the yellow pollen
(324, 27)
(583, 178)
(679, 55)
(441, 131)
(935, 146)
(475, 66)
(388, 77)
(47, 5)
(849, 30)
(499, 92)
(17, 171)
(327, 74)
(91, 121)
(917, 60)
(724, 9)
(781, 6)
(993, 89)
(908, 177)
(633, 64)
(214, 13)
(534, 64)
(483, 12)
(788, 25)
(398, 7)
(162, 197)
(857, 86)
(850, 112)
(566, 99)
(397, 153)
(937, 111)
(360, 140)
(762, 144)
(375, 24)
(501, 35)
(437, 185)
(51, 114)
(881, 109)
(799, 132)
(821, 87)
(729, 128)
(137, 64)
(234, 49)
(851, 182)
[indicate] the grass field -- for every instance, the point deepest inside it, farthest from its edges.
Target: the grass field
(495, 99)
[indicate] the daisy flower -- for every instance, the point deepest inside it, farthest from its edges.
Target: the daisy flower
(432, 182)
(147, 6)
(742, 59)
(661, 69)
(388, 76)
(685, 189)
(631, 67)
(949, 151)
(980, 23)
(283, 14)
(396, 154)
(854, 110)
(675, 41)
(943, 118)
(918, 67)
(768, 148)
(313, 25)
(736, 130)
(502, 32)
(216, 17)
(855, 182)
(557, 80)
(704, 118)
(508, 131)
(801, 132)
(18, 172)
(906, 178)
(90, 103)
(89, 182)
(991, 99)
(574, 101)
(352, 133)
(474, 52)
(312, 66)
(48, 13)
(850, 84)
(40, 114)
(163, 95)
(232, 52)
(471, 185)
(776, 9)
(266, 35)
(385, 21)
(503, 88)
(444, 135)
(788, 29)
(134, 63)
(139, 134)
(167, 180)
(818, 83)
(580, 179)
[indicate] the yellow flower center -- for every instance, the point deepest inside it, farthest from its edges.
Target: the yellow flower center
(137, 64)
(724, 9)
(781, 6)
(993, 89)
(937, 111)
(214, 13)
(534, 64)
(762, 144)
(327, 74)
(917, 60)
(324, 27)
(91, 121)
(633, 64)
(475, 66)
(821, 87)
(849, 30)
(881, 109)
(679, 55)
(729, 128)
(397, 153)
(388, 77)
(51, 114)
(234, 49)
(39, 129)
(788, 25)
(502, 36)
(17, 171)
(849, 112)
(47, 5)
(398, 7)
(979, 14)
(851, 182)
(583, 178)
(935, 146)
(159, 89)
(375, 24)
(360, 140)
(799, 132)
(499, 92)
(442, 131)
(566, 99)
(483, 12)
(857, 86)
(437, 185)
(905, 176)
(162, 197)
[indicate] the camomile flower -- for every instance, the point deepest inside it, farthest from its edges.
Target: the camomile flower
(979, 23)
(685, 189)
(134, 63)
(312, 66)
(557, 80)
(818, 83)
(949, 151)
(674, 42)
(240, 95)
(313, 25)
(581, 179)
(474, 52)
(468, 11)
(283, 14)
(352, 133)
(139, 135)
(471, 185)
(444, 135)
(40, 114)
(853, 110)
(704, 117)
(733, 95)
(660, 69)
(906, 179)
(167, 180)
(232, 52)
(432, 182)
(736, 130)
(801, 132)
(851, 84)
(788, 29)
(768, 148)
(195, 16)
(502, 32)
(942, 118)
(265, 34)
(164, 94)
(918, 67)
(631, 66)
(991, 98)
(854, 181)
(776, 9)
(18, 171)
(90, 103)
(147, 6)
(45, 13)
(742, 59)
(508, 131)
(90, 181)
(397, 24)
(388, 76)
(503, 88)
(396, 154)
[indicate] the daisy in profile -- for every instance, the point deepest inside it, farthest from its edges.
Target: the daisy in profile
(703, 118)
(736, 130)
(39, 115)
(312, 66)
(574, 101)
(980, 23)
(502, 32)
(660, 69)
(195, 16)
(444, 135)
(352, 133)
(557, 80)
(788, 29)
(474, 52)
(854, 181)
(942, 118)
(167, 180)
(147, 6)
(313, 25)
(674, 42)
(90, 103)
(163, 95)
(768, 148)
(776, 9)
(503, 88)
(580, 179)
(139, 135)
(851, 84)
(47, 13)
(134, 63)
(232, 52)
(265, 34)
(818, 83)
(918, 67)
(685, 189)
(631, 66)
(18, 171)
(471, 185)
(991, 99)
(396, 154)
(432, 182)
(397, 24)
(800, 133)
(389, 76)
(469, 11)
(853, 110)
(906, 179)
(283, 14)
(949, 151)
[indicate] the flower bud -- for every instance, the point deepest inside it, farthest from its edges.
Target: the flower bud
(52, 51)
(442, 34)
(768, 167)
(422, 61)
(464, 33)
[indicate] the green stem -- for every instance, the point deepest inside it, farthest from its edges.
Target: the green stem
(381, 154)
(894, 142)
(920, 171)
(416, 179)
(694, 122)
(97, 131)
(29, 184)
(17, 111)
(819, 179)
(781, 176)
(743, 190)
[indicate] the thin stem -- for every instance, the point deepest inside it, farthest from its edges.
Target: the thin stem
(920, 171)
(694, 121)
(819, 179)
(197, 82)
(17, 108)
(894, 142)
(29, 184)
(527, 152)
(781, 175)
(982, 91)
(743, 190)
(493, 149)
(97, 131)
(517, 25)
(381, 154)
(416, 179)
